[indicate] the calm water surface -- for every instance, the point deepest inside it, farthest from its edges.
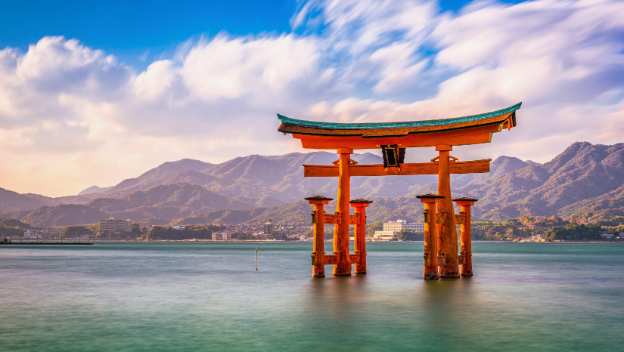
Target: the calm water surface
(208, 297)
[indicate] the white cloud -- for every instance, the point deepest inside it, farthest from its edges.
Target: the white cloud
(155, 81)
(69, 109)
(396, 66)
(255, 69)
(55, 64)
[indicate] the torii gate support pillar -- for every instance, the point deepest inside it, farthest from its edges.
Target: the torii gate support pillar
(359, 219)
(318, 227)
(465, 205)
(430, 238)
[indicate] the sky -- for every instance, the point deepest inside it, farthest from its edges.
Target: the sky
(94, 92)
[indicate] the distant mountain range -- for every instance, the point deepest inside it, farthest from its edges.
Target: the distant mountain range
(585, 180)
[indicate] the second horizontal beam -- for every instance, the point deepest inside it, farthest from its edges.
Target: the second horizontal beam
(430, 168)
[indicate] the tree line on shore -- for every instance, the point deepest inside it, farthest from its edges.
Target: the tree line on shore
(549, 229)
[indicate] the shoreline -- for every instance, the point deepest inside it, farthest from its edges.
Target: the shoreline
(91, 243)
(329, 240)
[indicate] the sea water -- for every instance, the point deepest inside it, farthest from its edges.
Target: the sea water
(209, 297)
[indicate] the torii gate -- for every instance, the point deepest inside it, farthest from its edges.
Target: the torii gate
(440, 240)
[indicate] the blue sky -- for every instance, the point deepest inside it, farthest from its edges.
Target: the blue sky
(92, 92)
(132, 29)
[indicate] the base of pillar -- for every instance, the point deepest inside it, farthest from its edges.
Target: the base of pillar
(360, 273)
(320, 276)
(431, 276)
(470, 274)
(342, 273)
(342, 268)
(450, 276)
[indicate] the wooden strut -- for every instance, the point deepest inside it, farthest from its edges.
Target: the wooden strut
(430, 168)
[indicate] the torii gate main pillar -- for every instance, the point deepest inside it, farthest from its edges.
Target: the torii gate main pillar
(343, 218)
(449, 261)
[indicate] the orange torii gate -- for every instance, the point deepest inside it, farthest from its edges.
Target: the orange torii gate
(440, 240)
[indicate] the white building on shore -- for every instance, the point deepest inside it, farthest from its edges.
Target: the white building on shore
(392, 230)
(221, 236)
(111, 226)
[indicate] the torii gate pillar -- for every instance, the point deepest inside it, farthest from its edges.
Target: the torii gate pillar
(343, 218)
(465, 204)
(359, 233)
(449, 261)
(430, 238)
(318, 243)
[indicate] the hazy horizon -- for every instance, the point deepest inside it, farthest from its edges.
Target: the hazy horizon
(92, 95)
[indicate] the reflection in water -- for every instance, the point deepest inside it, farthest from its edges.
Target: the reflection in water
(333, 306)
(337, 297)
(446, 307)
(426, 314)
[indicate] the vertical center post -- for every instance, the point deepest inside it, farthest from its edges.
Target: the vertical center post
(341, 230)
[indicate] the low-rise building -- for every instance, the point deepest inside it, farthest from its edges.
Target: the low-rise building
(33, 234)
(402, 226)
(395, 230)
(221, 236)
(112, 226)
(383, 235)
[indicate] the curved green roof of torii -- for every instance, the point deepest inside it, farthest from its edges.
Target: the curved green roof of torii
(285, 120)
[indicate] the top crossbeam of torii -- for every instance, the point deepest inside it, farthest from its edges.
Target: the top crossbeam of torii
(394, 137)
(464, 130)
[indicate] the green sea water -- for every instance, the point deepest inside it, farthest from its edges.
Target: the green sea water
(209, 297)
